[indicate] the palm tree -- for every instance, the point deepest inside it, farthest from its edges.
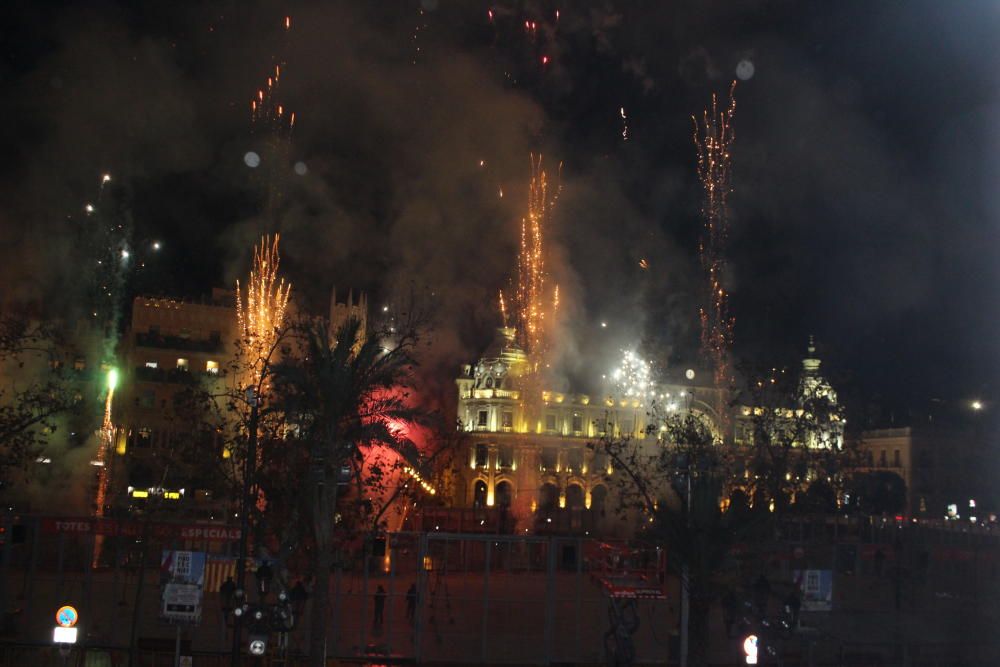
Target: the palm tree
(341, 396)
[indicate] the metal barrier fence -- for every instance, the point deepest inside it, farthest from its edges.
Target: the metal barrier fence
(494, 599)
(474, 598)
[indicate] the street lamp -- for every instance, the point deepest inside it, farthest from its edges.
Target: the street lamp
(976, 405)
(750, 649)
(246, 503)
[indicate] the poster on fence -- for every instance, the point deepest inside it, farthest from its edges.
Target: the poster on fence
(182, 574)
(816, 589)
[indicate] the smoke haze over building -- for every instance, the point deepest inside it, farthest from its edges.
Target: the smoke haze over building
(863, 208)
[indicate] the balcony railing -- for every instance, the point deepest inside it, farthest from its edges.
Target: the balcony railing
(210, 345)
(172, 375)
(512, 394)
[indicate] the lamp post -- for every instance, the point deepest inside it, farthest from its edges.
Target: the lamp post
(265, 617)
(249, 467)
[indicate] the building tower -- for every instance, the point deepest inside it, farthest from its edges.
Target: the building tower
(340, 313)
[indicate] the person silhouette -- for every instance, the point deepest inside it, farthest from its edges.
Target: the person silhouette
(411, 602)
(379, 606)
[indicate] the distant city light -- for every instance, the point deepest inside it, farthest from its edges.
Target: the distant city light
(105, 178)
(977, 405)
(156, 245)
(89, 208)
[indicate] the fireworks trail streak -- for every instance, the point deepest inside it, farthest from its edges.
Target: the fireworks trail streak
(270, 119)
(713, 138)
(104, 447)
(503, 309)
(266, 113)
(531, 311)
(534, 307)
(624, 124)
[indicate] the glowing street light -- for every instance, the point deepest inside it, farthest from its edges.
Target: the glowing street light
(976, 405)
(750, 649)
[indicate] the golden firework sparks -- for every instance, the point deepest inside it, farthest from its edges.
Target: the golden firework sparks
(104, 447)
(503, 309)
(713, 138)
(266, 112)
(531, 312)
(261, 314)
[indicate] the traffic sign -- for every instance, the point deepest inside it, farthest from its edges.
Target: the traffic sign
(67, 617)
(181, 603)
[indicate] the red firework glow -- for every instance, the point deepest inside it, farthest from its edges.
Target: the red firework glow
(396, 467)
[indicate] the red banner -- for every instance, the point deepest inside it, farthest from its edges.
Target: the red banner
(198, 532)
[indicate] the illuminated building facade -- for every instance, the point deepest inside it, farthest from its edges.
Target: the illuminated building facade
(169, 346)
(942, 464)
(539, 471)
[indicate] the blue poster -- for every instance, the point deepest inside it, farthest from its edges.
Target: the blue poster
(816, 588)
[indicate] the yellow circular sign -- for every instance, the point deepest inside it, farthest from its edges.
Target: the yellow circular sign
(67, 616)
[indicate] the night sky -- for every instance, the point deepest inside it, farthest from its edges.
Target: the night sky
(865, 166)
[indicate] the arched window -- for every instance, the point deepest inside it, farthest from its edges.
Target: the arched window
(598, 499)
(489, 382)
(479, 494)
(548, 498)
(574, 497)
(504, 494)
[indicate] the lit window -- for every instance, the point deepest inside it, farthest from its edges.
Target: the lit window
(505, 457)
(508, 420)
(575, 459)
(212, 367)
(182, 364)
(150, 364)
(482, 456)
(550, 458)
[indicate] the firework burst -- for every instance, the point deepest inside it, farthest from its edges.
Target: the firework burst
(713, 138)
(633, 378)
(261, 314)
